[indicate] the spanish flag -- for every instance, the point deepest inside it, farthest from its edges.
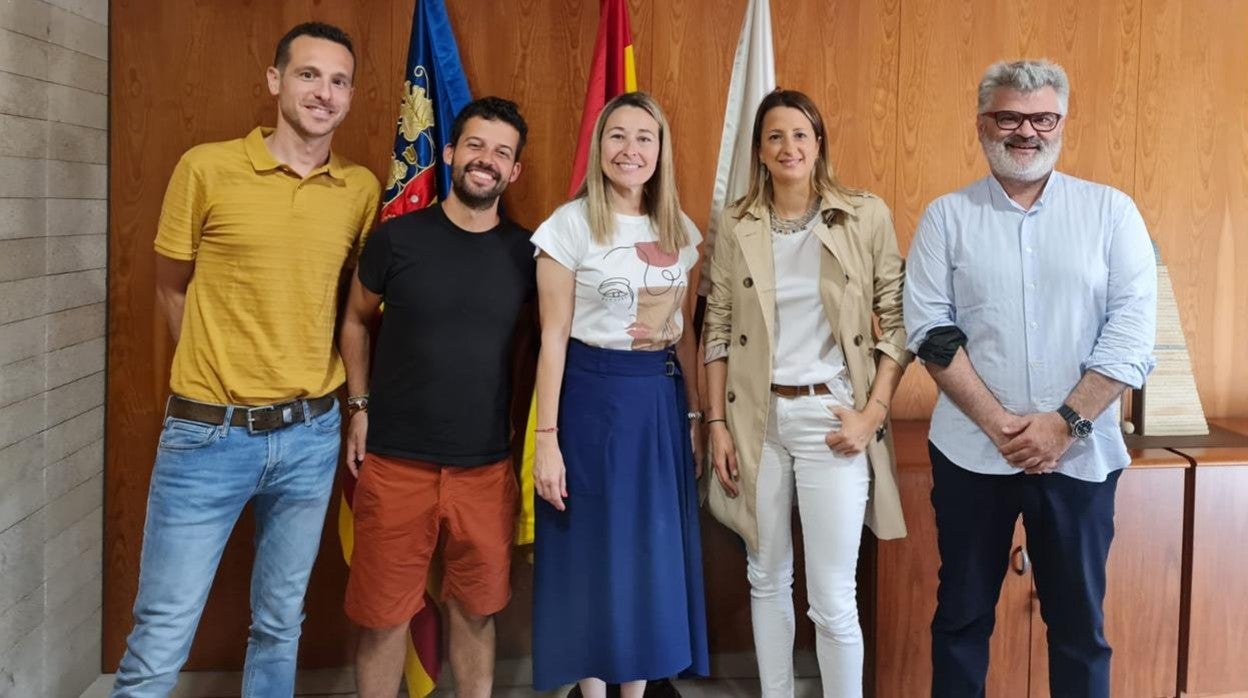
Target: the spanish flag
(434, 90)
(612, 72)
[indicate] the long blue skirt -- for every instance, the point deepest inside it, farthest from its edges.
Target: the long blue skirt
(618, 576)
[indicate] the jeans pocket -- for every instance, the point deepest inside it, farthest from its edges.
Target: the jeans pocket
(328, 423)
(185, 435)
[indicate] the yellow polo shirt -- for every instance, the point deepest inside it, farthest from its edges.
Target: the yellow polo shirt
(268, 248)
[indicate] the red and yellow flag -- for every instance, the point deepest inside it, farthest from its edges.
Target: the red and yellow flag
(612, 72)
(434, 91)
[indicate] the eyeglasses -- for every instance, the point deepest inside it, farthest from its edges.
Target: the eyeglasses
(1042, 121)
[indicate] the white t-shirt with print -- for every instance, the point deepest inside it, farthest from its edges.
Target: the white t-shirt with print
(629, 293)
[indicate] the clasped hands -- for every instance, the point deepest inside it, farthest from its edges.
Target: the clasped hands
(1032, 442)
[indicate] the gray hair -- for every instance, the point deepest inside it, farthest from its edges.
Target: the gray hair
(1025, 76)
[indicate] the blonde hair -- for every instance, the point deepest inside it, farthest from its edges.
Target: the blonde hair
(659, 198)
(822, 178)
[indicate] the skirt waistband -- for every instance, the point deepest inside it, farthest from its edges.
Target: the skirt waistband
(620, 362)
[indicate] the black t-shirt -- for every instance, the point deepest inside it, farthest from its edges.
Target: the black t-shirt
(441, 383)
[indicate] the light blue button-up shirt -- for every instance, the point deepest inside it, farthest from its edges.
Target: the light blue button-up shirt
(1042, 295)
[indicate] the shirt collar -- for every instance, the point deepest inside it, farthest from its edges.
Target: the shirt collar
(262, 159)
(1002, 200)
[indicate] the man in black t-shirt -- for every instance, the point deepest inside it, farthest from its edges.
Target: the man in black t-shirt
(428, 438)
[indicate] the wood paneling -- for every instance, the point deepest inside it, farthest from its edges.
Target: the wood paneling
(1158, 110)
(690, 37)
(1192, 180)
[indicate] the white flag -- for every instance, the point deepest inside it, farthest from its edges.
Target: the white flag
(753, 76)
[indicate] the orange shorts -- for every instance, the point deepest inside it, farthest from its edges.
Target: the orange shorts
(402, 508)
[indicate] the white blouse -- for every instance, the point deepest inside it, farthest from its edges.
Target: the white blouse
(805, 352)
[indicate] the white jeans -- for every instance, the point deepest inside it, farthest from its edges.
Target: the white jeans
(831, 497)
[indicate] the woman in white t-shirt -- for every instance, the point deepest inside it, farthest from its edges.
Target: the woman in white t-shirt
(617, 562)
(799, 384)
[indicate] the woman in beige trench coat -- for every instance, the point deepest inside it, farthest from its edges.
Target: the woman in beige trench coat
(799, 386)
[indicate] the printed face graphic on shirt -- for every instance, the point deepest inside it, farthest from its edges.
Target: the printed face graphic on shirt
(649, 313)
(618, 295)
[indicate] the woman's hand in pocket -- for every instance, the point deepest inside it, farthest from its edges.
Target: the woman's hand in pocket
(856, 431)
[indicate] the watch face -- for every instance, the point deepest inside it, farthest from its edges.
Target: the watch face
(1082, 428)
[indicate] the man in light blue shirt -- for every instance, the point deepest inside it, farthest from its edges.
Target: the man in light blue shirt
(1031, 297)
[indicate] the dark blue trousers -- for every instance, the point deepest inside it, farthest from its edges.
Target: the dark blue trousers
(1069, 525)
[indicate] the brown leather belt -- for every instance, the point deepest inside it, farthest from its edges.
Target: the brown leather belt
(800, 390)
(256, 419)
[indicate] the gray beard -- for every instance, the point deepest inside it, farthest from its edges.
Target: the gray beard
(1005, 167)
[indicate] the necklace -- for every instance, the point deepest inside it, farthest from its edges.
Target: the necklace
(789, 226)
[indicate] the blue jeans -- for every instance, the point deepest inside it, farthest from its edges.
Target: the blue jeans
(204, 476)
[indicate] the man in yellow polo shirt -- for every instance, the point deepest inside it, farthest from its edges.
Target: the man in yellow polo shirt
(254, 236)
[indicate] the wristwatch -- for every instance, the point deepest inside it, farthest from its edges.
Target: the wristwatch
(1080, 428)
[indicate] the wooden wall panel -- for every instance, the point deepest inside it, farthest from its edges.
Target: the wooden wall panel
(1192, 180)
(691, 37)
(1159, 110)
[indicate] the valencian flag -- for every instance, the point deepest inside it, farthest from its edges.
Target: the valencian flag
(434, 90)
(612, 72)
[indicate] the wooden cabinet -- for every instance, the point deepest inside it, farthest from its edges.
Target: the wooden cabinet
(1144, 573)
(1142, 601)
(1216, 619)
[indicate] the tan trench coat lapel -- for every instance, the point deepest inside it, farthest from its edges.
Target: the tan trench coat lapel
(833, 280)
(754, 239)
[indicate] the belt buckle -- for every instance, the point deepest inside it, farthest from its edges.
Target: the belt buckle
(287, 417)
(669, 367)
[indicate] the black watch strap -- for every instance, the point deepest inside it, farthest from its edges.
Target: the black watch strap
(1069, 414)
